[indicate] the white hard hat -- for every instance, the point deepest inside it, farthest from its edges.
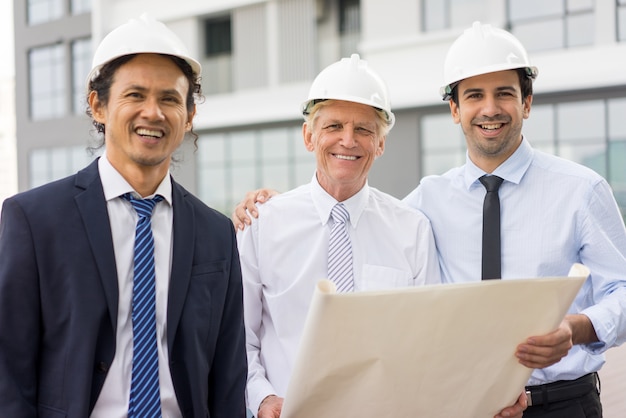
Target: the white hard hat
(351, 80)
(144, 35)
(483, 49)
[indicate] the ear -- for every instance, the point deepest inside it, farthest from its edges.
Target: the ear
(190, 117)
(380, 149)
(528, 101)
(307, 136)
(97, 107)
(454, 111)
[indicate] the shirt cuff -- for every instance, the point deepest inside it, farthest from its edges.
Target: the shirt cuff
(604, 329)
(257, 391)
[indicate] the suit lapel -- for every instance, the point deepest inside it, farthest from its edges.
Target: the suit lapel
(93, 209)
(182, 258)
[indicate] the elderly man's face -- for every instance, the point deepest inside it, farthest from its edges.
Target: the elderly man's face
(146, 116)
(346, 140)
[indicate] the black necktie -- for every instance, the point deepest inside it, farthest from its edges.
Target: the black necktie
(491, 228)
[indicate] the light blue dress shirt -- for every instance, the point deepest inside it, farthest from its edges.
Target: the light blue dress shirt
(553, 213)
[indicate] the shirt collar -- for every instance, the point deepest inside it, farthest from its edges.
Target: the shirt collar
(511, 170)
(114, 184)
(324, 202)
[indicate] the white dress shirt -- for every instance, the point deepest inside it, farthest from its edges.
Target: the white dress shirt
(113, 399)
(553, 213)
(285, 251)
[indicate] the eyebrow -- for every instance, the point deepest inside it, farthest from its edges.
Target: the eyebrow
(480, 90)
(357, 124)
(144, 89)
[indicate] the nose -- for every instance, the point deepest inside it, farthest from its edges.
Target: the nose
(348, 138)
(151, 110)
(491, 106)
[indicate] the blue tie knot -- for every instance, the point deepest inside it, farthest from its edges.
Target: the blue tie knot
(143, 207)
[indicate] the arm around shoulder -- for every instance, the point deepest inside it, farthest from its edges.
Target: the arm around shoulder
(246, 209)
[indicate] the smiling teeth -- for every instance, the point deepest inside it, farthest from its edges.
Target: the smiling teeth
(148, 132)
(345, 157)
(494, 126)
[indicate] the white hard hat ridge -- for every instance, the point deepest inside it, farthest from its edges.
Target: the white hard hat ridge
(483, 49)
(144, 35)
(351, 80)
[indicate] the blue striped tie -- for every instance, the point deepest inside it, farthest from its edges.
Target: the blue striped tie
(145, 399)
(340, 250)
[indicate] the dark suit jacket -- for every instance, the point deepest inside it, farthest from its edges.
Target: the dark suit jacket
(59, 297)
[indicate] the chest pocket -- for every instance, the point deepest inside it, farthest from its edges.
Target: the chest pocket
(383, 278)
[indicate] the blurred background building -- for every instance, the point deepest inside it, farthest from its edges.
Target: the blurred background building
(260, 56)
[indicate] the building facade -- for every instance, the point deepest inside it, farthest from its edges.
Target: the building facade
(260, 56)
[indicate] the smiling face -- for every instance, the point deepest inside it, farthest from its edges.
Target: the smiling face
(346, 138)
(146, 116)
(490, 110)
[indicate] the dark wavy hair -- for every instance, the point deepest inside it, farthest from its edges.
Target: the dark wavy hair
(525, 82)
(102, 86)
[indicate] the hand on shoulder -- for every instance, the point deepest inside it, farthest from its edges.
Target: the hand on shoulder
(247, 207)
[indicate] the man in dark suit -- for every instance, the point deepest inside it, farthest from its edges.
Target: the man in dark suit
(69, 263)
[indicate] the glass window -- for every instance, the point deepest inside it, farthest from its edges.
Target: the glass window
(446, 14)
(349, 16)
(579, 5)
(49, 164)
(534, 9)
(580, 30)
(38, 168)
(543, 25)
(443, 143)
(81, 64)
(540, 35)
(243, 147)
(275, 144)
(573, 121)
(617, 121)
(464, 12)
(212, 168)
(218, 36)
(435, 15)
(349, 26)
(231, 164)
(244, 170)
(304, 163)
(47, 82)
(539, 127)
(617, 172)
(217, 55)
(40, 11)
(80, 6)
(617, 149)
(588, 154)
(621, 20)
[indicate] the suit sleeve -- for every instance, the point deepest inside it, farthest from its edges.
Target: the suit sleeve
(228, 375)
(19, 314)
